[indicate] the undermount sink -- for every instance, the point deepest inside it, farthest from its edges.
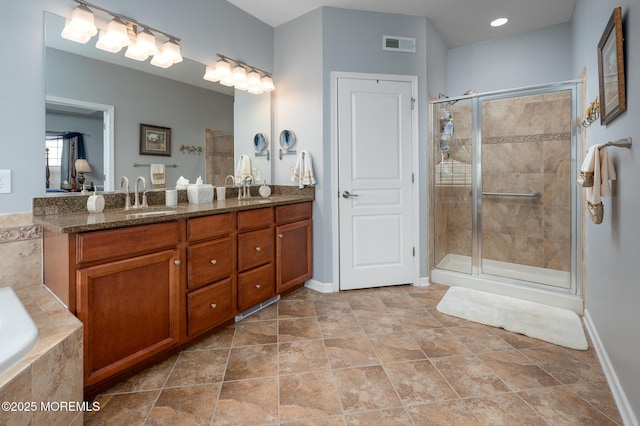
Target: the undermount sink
(150, 213)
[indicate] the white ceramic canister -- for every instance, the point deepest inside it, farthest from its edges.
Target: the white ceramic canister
(95, 203)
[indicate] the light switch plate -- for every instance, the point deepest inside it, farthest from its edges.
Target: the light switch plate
(5, 181)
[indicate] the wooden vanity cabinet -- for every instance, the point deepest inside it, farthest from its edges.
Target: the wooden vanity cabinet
(255, 257)
(211, 289)
(294, 260)
(143, 292)
(128, 283)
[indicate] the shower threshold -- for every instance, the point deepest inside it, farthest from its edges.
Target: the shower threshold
(540, 285)
(534, 274)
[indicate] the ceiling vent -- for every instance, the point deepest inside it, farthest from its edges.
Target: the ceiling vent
(399, 44)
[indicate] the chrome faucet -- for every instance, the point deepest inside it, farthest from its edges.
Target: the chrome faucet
(246, 185)
(127, 201)
(136, 203)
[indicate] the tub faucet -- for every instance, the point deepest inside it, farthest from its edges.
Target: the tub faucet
(127, 201)
(136, 203)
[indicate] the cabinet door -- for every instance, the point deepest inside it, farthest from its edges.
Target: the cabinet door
(293, 254)
(129, 309)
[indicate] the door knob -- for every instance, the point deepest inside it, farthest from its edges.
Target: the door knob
(213, 261)
(177, 262)
(346, 194)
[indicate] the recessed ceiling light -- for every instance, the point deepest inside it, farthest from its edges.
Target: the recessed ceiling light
(499, 22)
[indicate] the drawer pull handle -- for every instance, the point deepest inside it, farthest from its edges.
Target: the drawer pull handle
(257, 248)
(177, 262)
(213, 261)
(213, 306)
(280, 235)
(257, 285)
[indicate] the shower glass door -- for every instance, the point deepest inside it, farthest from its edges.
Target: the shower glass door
(502, 194)
(525, 216)
(453, 208)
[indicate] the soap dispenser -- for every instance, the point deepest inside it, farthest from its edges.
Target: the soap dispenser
(264, 190)
(95, 202)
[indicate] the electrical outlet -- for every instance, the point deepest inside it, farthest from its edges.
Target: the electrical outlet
(5, 181)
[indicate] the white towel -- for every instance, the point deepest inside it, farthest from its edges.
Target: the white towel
(303, 170)
(157, 175)
(603, 172)
(243, 169)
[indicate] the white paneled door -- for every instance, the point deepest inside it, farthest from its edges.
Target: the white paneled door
(375, 177)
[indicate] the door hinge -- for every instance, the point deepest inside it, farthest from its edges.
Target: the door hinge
(413, 103)
(414, 252)
(413, 177)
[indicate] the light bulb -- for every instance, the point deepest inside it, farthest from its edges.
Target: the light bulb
(223, 68)
(239, 73)
(133, 52)
(81, 27)
(210, 74)
(161, 60)
(171, 50)
(107, 43)
(267, 83)
(146, 42)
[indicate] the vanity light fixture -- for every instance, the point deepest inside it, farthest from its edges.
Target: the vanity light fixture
(240, 75)
(122, 31)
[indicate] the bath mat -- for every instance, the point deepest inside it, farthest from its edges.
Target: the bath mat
(554, 325)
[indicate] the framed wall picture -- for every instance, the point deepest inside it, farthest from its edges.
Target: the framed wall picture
(613, 101)
(155, 140)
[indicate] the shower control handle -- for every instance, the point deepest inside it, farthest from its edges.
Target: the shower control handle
(346, 194)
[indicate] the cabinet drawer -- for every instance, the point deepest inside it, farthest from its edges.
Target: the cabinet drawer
(293, 212)
(209, 262)
(204, 228)
(255, 286)
(99, 245)
(255, 219)
(255, 248)
(209, 306)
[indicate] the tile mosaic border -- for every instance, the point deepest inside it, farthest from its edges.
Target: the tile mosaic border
(20, 233)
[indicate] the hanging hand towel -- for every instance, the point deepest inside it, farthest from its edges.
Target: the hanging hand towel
(585, 178)
(157, 175)
(243, 169)
(303, 170)
(603, 171)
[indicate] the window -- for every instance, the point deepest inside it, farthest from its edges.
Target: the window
(54, 143)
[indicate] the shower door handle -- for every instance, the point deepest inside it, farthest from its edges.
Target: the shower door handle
(346, 194)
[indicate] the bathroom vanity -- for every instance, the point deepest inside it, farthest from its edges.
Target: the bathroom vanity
(145, 285)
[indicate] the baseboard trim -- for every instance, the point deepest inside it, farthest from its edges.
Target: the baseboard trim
(423, 282)
(624, 407)
(319, 286)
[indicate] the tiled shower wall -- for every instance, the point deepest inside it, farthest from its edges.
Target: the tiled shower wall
(20, 251)
(526, 147)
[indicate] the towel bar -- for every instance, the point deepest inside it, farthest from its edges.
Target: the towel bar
(622, 143)
(534, 195)
(149, 165)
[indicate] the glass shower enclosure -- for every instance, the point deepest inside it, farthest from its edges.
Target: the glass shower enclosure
(502, 197)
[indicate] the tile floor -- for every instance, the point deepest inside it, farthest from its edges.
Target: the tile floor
(367, 357)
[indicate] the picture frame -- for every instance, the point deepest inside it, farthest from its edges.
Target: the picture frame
(613, 101)
(155, 140)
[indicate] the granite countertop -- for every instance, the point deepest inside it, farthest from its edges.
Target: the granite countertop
(52, 213)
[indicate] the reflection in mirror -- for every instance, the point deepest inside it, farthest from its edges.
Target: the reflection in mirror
(86, 92)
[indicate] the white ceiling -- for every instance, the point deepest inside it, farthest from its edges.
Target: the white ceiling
(459, 22)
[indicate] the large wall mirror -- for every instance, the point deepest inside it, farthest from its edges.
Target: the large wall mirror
(105, 98)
